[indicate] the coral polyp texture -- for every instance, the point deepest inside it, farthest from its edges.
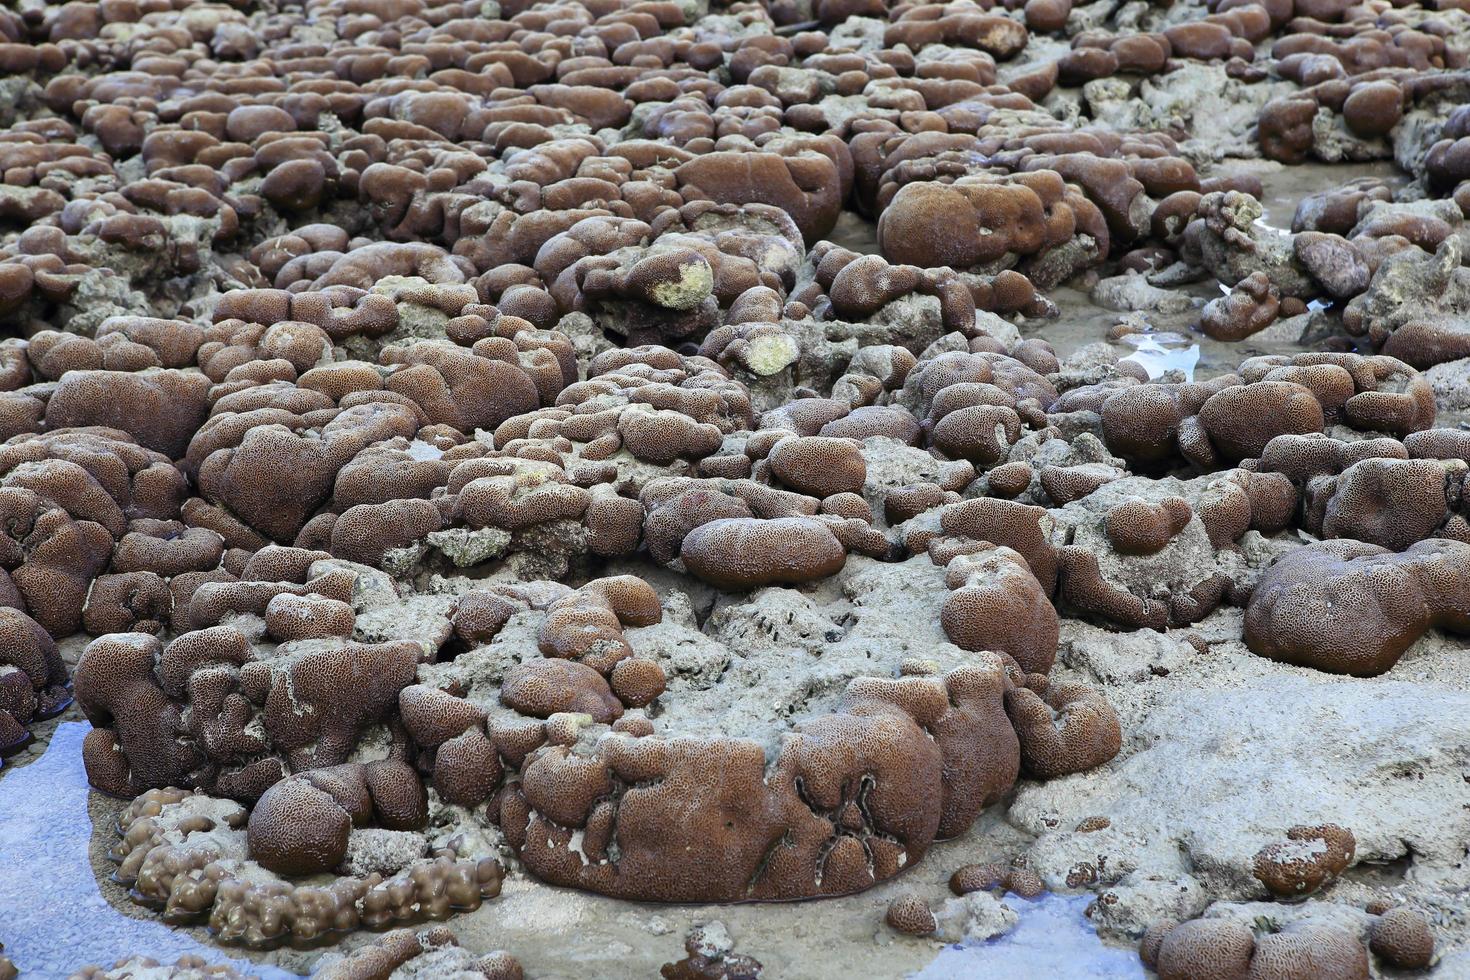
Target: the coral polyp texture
(479, 468)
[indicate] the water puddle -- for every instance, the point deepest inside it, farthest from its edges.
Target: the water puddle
(55, 919)
(855, 232)
(1163, 352)
(1284, 189)
(1052, 939)
(420, 450)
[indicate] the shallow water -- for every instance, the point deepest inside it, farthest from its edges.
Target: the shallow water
(1284, 189)
(1161, 353)
(1053, 939)
(1083, 322)
(855, 232)
(55, 919)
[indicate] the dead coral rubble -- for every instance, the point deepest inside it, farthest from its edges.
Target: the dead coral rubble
(711, 956)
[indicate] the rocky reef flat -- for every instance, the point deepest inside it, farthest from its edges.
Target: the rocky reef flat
(793, 489)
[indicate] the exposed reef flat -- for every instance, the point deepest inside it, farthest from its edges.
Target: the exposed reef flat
(786, 489)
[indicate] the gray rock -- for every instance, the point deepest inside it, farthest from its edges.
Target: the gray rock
(1228, 751)
(1451, 384)
(974, 918)
(371, 849)
(1333, 261)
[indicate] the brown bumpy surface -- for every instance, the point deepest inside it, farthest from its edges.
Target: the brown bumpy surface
(300, 825)
(1309, 858)
(1402, 937)
(740, 553)
(404, 948)
(910, 915)
(1224, 949)
(1390, 600)
(997, 604)
(1067, 728)
(32, 679)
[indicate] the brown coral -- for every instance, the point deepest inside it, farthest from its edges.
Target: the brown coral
(910, 914)
(1393, 599)
(1068, 728)
(1308, 859)
(746, 553)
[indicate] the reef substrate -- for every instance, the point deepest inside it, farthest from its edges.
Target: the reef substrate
(478, 469)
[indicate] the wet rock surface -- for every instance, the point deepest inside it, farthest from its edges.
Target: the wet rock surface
(473, 469)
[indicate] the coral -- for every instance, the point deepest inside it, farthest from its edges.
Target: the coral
(746, 553)
(986, 877)
(433, 949)
(1250, 308)
(32, 679)
(1402, 937)
(300, 825)
(711, 956)
(997, 604)
(184, 852)
(873, 726)
(1224, 948)
(910, 914)
(208, 710)
(1308, 859)
(1394, 597)
(1066, 728)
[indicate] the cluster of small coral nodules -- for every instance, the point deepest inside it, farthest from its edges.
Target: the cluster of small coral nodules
(419, 409)
(433, 952)
(184, 854)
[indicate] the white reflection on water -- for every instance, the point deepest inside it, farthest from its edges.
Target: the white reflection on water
(1053, 939)
(418, 449)
(55, 920)
(1158, 359)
